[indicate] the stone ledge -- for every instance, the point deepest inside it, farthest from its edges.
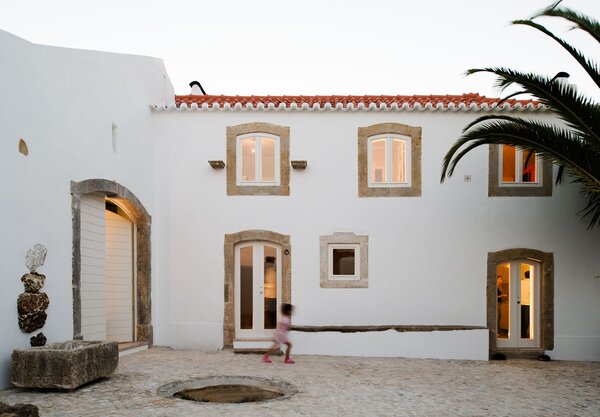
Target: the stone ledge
(383, 328)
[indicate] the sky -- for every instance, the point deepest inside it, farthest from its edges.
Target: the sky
(314, 46)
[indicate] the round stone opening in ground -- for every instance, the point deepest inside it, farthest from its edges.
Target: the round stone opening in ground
(229, 394)
(229, 389)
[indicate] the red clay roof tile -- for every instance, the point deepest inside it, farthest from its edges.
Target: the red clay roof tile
(446, 101)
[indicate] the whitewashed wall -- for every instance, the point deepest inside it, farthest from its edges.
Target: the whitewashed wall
(427, 255)
(63, 103)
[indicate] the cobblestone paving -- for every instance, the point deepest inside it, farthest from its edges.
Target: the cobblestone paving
(336, 386)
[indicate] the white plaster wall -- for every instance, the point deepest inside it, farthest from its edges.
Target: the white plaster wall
(427, 255)
(463, 344)
(63, 103)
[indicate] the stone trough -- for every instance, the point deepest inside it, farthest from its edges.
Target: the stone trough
(65, 365)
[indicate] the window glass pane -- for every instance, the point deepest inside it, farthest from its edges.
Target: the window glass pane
(503, 297)
(527, 306)
(270, 283)
(529, 167)
(246, 287)
(509, 154)
(248, 159)
(378, 168)
(267, 149)
(398, 160)
(343, 261)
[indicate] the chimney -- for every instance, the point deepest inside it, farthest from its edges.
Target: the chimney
(197, 89)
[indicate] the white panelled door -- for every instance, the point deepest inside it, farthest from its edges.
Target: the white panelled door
(93, 287)
(119, 278)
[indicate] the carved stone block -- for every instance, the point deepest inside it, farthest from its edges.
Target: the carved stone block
(65, 365)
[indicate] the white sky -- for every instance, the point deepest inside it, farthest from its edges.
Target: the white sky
(313, 46)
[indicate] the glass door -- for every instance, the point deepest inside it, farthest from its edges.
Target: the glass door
(257, 289)
(517, 291)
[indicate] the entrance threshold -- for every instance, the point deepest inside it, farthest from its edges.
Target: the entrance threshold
(521, 353)
(128, 348)
(251, 345)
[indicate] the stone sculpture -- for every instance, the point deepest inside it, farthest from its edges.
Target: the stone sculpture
(32, 304)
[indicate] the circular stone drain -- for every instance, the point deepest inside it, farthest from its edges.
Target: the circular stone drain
(229, 389)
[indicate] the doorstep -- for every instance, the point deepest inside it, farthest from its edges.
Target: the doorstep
(128, 348)
(511, 353)
(252, 345)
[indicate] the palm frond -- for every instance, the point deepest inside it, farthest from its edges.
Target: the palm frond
(585, 23)
(588, 65)
(580, 112)
(550, 142)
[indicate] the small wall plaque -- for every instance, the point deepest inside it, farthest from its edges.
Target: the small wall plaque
(299, 164)
(217, 164)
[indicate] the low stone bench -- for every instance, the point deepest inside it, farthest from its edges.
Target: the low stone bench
(65, 365)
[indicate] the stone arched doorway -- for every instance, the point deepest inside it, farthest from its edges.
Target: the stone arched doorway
(127, 200)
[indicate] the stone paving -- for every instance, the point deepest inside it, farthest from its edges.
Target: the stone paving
(336, 386)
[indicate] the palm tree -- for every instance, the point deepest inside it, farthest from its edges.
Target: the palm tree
(574, 146)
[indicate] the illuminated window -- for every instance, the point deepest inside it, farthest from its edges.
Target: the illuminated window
(257, 159)
(389, 161)
(514, 172)
(518, 166)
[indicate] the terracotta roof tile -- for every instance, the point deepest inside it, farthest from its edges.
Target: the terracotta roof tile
(464, 101)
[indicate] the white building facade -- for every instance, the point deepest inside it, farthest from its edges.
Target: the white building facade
(331, 203)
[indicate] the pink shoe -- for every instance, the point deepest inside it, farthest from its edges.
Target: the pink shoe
(289, 361)
(266, 359)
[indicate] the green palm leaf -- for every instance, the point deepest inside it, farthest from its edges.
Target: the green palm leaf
(574, 144)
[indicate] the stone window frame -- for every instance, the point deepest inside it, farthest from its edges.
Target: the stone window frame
(344, 238)
(231, 241)
(518, 190)
(546, 317)
(392, 128)
(283, 133)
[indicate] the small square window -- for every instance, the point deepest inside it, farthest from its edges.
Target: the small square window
(344, 261)
(344, 258)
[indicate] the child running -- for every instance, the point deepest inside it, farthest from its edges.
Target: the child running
(281, 335)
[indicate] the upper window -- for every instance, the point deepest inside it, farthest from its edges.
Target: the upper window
(519, 167)
(389, 160)
(258, 159)
(515, 172)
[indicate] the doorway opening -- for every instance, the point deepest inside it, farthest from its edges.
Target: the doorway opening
(520, 302)
(111, 264)
(517, 287)
(257, 281)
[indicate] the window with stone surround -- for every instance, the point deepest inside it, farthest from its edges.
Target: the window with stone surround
(344, 261)
(514, 172)
(258, 159)
(389, 160)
